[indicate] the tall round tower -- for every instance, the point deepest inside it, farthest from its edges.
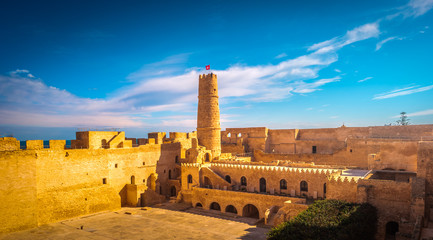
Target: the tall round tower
(208, 114)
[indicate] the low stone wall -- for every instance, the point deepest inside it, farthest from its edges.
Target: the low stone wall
(239, 200)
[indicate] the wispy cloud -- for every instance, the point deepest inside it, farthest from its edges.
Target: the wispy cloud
(281, 55)
(366, 31)
(416, 114)
(419, 7)
(381, 43)
(365, 79)
(402, 92)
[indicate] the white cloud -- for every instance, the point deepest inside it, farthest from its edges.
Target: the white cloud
(402, 92)
(365, 79)
(419, 7)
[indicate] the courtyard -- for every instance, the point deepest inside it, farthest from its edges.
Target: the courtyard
(164, 221)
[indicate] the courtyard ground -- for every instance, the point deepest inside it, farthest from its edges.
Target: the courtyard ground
(165, 221)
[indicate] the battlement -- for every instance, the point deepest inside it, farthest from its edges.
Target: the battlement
(210, 75)
(195, 165)
(325, 171)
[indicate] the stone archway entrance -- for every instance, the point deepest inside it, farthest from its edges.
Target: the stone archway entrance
(173, 191)
(151, 182)
(215, 206)
(250, 211)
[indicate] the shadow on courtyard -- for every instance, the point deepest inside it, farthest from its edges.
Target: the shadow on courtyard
(257, 230)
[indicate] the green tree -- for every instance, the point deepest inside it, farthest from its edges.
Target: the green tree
(403, 119)
(330, 220)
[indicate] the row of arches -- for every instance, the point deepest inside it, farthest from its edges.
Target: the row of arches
(248, 210)
(283, 184)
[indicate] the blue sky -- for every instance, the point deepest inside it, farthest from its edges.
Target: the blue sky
(134, 65)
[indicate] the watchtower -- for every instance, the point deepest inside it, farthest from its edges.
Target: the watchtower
(208, 114)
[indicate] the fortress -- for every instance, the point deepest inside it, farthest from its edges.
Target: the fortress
(253, 172)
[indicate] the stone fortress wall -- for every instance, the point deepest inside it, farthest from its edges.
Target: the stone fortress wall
(41, 185)
(253, 172)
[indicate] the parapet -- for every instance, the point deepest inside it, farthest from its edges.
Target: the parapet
(210, 75)
(100, 139)
(34, 144)
(9, 144)
(57, 144)
(158, 136)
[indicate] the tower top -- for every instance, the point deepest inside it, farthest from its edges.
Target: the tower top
(210, 75)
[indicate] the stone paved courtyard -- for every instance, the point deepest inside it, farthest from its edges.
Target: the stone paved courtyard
(166, 221)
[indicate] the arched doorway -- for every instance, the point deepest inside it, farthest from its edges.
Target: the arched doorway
(215, 206)
(250, 211)
(207, 183)
(151, 182)
(207, 157)
(231, 209)
(228, 179)
(243, 181)
(262, 185)
(198, 205)
(304, 186)
(132, 179)
(391, 230)
(173, 191)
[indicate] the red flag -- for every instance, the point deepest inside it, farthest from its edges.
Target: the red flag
(208, 67)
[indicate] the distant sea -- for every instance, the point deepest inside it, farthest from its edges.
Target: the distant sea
(46, 144)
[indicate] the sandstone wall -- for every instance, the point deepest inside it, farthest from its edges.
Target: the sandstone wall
(9, 144)
(18, 190)
(49, 185)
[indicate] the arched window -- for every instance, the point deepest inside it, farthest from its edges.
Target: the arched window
(169, 174)
(207, 157)
(304, 186)
(262, 185)
(243, 181)
(176, 159)
(324, 188)
(283, 184)
(229, 135)
(239, 134)
(189, 178)
(132, 179)
(228, 179)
